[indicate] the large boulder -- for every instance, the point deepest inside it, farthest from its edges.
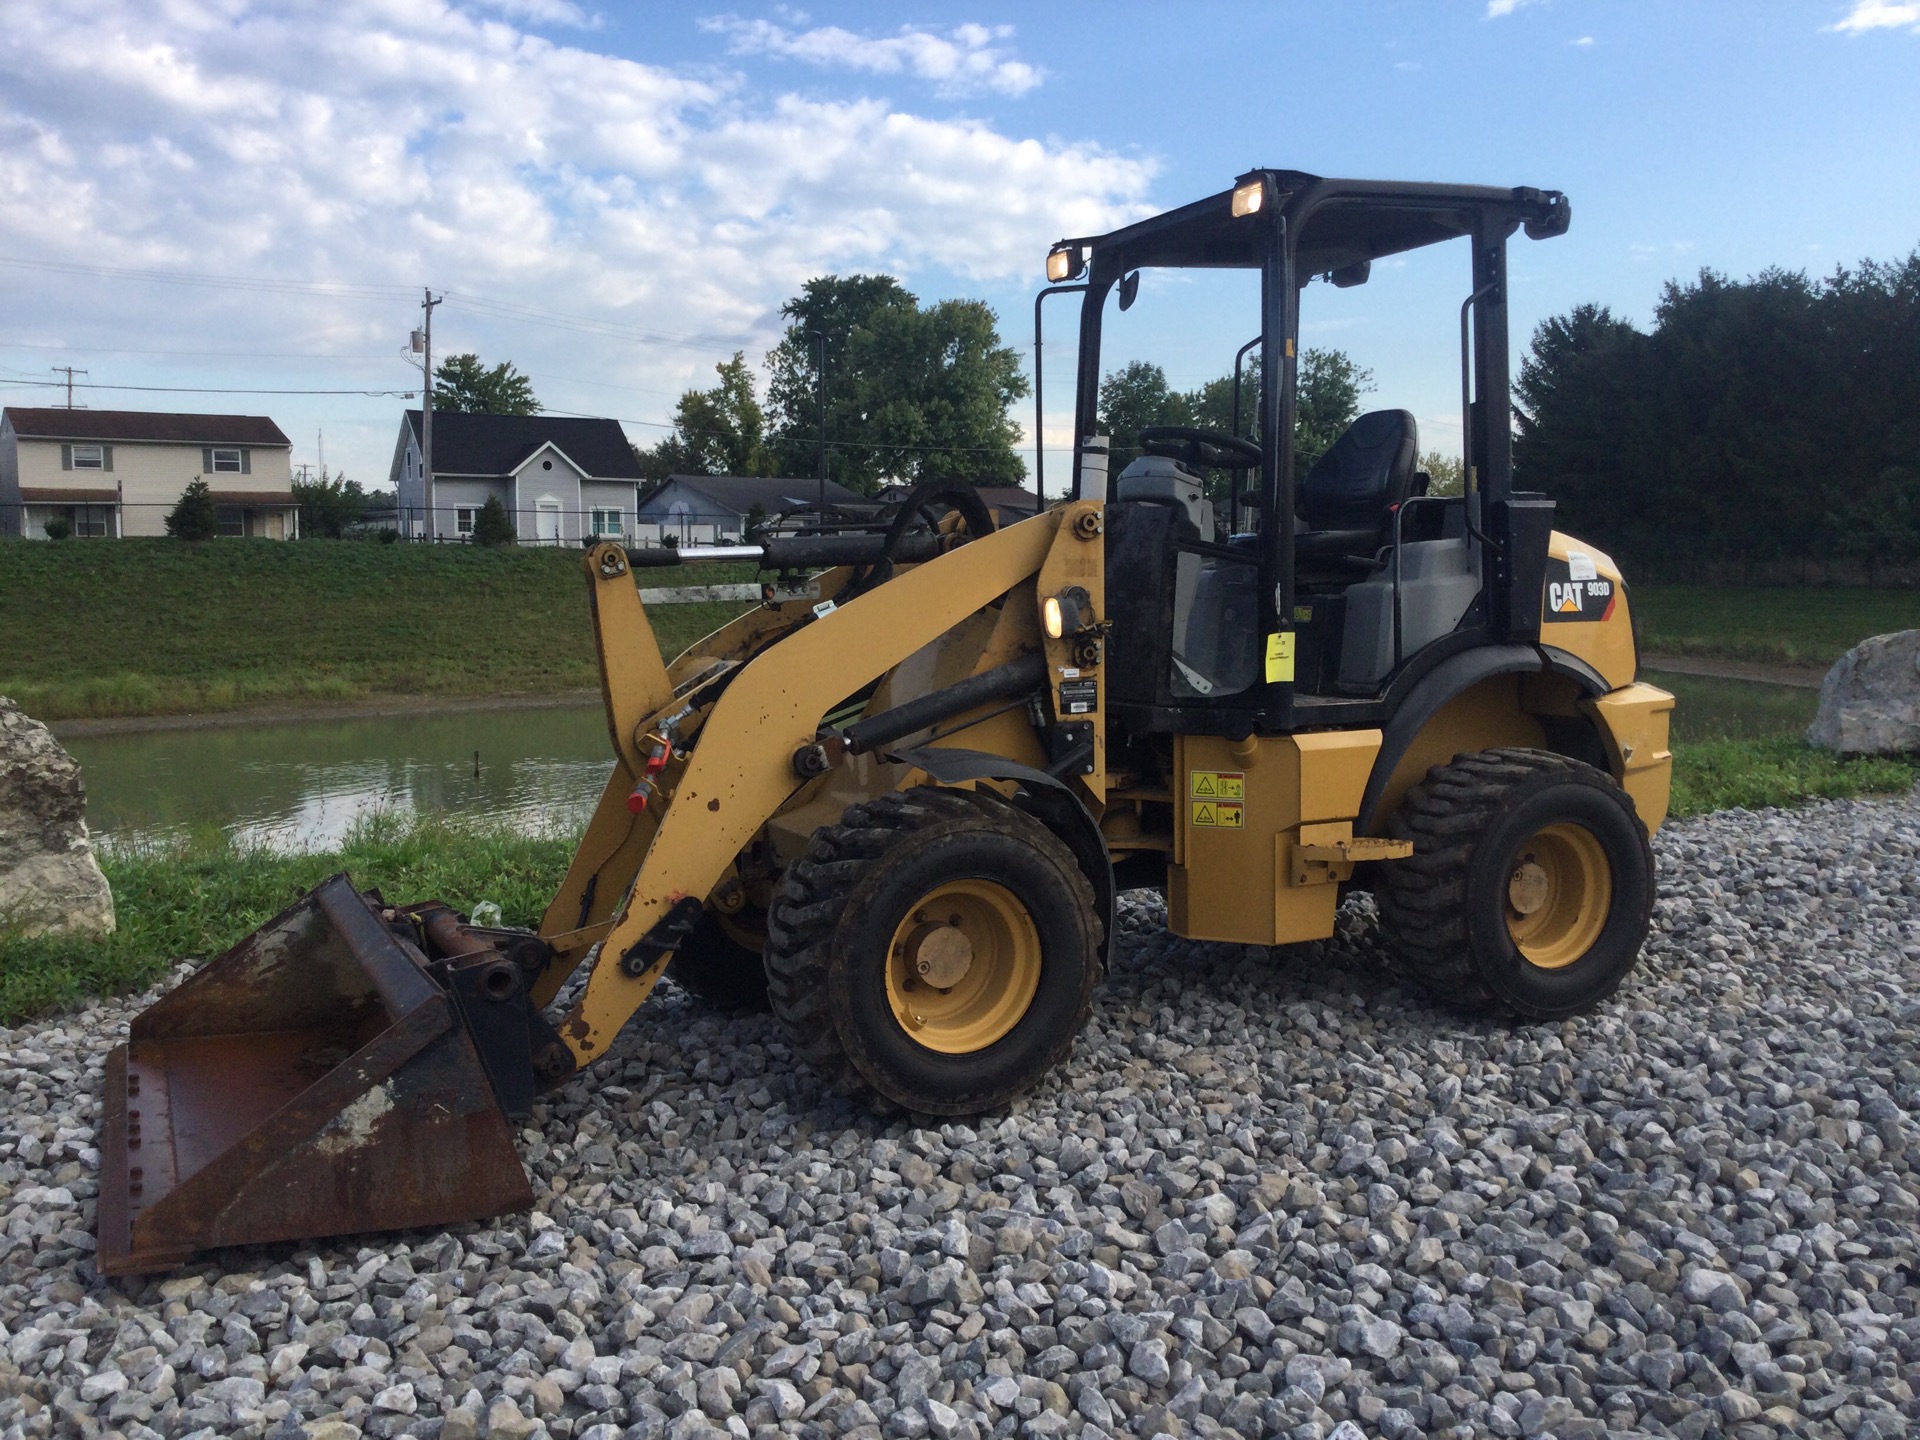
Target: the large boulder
(49, 881)
(1870, 700)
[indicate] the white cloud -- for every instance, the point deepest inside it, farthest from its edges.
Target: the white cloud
(394, 143)
(961, 61)
(1498, 8)
(1879, 15)
(1585, 42)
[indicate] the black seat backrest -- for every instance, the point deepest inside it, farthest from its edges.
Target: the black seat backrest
(1366, 472)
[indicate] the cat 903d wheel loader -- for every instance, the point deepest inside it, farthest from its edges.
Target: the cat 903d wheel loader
(910, 783)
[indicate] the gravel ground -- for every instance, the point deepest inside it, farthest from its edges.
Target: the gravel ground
(1270, 1194)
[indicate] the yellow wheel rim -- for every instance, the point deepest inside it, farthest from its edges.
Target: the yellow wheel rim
(963, 967)
(1559, 891)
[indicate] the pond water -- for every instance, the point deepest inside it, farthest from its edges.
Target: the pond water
(304, 785)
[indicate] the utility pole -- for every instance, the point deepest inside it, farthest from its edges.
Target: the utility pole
(425, 336)
(820, 407)
(69, 372)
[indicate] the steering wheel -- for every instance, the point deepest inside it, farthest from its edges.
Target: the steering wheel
(1203, 449)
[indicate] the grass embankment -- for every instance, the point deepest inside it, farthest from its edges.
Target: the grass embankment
(198, 896)
(1814, 626)
(1737, 743)
(157, 627)
(1740, 743)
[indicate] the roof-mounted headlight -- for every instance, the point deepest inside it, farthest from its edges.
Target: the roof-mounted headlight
(1248, 197)
(1063, 263)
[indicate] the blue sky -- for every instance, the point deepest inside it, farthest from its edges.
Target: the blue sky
(617, 197)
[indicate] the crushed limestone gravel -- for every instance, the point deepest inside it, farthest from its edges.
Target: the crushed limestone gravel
(1270, 1194)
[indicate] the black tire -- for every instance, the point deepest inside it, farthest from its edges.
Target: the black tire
(1482, 827)
(716, 966)
(834, 926)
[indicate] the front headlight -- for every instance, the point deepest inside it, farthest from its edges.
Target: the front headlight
(1062, 264)
(1248, 198)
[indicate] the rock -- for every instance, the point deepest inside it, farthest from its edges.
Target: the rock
(1148, 1361)
(1715, 1289)
(505, 1422)
(50, 883)
(1870, 700)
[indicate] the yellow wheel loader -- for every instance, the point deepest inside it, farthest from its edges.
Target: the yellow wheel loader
(897, 799)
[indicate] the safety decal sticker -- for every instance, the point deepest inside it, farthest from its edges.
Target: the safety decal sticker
(1218, 815)
(1575, 591)
(1217, 784)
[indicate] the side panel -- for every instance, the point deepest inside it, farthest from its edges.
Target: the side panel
(1238, 809)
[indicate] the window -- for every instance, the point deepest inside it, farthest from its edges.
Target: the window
(232, 519)
(89, 457)
(463, 520)
(226, 462)
(605, 522)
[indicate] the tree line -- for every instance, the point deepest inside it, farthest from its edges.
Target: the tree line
(1765, 428)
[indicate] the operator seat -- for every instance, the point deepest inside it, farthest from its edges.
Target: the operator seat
(1349, 496)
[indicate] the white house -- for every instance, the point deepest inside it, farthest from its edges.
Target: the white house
(709, 509)
(562, 479)
(109, 473)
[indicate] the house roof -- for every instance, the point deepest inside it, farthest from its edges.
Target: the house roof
(738, 494)
(36, 423)
(68, 495)
(471, 444)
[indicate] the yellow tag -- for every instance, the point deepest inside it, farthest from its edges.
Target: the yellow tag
(1280, 656)
(1218, 815)
(1217, 784)
(1289, 347)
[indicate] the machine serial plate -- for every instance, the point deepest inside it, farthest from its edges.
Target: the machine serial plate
(1079, 697)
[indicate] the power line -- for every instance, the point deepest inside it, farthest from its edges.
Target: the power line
(198, 389)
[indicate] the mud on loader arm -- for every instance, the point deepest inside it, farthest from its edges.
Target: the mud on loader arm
(738, 765)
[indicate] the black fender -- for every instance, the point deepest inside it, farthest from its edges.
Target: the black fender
(1452, 676)
(1043, 796)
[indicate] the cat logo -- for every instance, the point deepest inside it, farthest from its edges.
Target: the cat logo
(1574, 591)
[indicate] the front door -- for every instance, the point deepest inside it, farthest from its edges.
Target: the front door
(546, 519)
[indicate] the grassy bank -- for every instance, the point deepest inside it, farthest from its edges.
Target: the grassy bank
(1739, 743)
(155, 627)
(197, 897)
(1813, 626)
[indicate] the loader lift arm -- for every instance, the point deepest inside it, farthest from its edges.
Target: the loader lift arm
(739, 770)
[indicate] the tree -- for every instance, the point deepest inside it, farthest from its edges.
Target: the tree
(1446, 474)
(194, 517)
(722, 431)
(492, 525)
(329, 506)
(59, 528)
(1327, 395)
(912, 393)
(1131, 399)
(463, 384)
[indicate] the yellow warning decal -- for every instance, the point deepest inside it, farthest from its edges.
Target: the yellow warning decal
(1219, 815)
(1217, 784)
(1280, 656)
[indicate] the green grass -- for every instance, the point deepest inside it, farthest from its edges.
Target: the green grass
(1737, 742)
(149, 627)
(1813, 626)
(1751, 772)
(197, 897)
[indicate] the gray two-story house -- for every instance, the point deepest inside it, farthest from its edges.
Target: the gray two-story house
(562, 479)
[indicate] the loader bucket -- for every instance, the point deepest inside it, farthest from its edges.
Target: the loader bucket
(314, 1080)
